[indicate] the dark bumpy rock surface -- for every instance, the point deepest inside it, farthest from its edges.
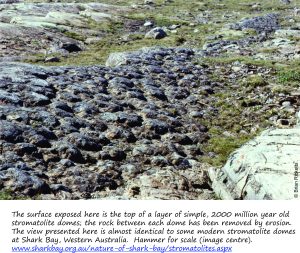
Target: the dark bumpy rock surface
(267, 23)
(9, 1)
(71, 132)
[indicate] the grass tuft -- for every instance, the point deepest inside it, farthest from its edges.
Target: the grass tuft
(288, 76)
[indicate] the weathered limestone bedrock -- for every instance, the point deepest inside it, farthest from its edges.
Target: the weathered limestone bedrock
(263, 168)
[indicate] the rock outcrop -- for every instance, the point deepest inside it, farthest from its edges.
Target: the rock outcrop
(28, 29)
(156, 33)
(267, 23)
(71, 132)
(264, 168)
(179, 91)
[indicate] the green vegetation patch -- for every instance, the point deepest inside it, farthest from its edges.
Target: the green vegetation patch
(223, 146)
(9, 195)
(75, 35)
(289, 76)
(255, 81)
(229, 59)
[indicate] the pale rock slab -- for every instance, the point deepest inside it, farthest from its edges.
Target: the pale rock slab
(263, 168)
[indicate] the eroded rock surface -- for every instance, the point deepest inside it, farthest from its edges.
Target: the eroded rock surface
(145, 125)
(70, 132)
(264, 168)
(267, 23)
(30, 28)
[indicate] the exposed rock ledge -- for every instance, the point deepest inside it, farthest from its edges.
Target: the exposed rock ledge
(264, 168)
